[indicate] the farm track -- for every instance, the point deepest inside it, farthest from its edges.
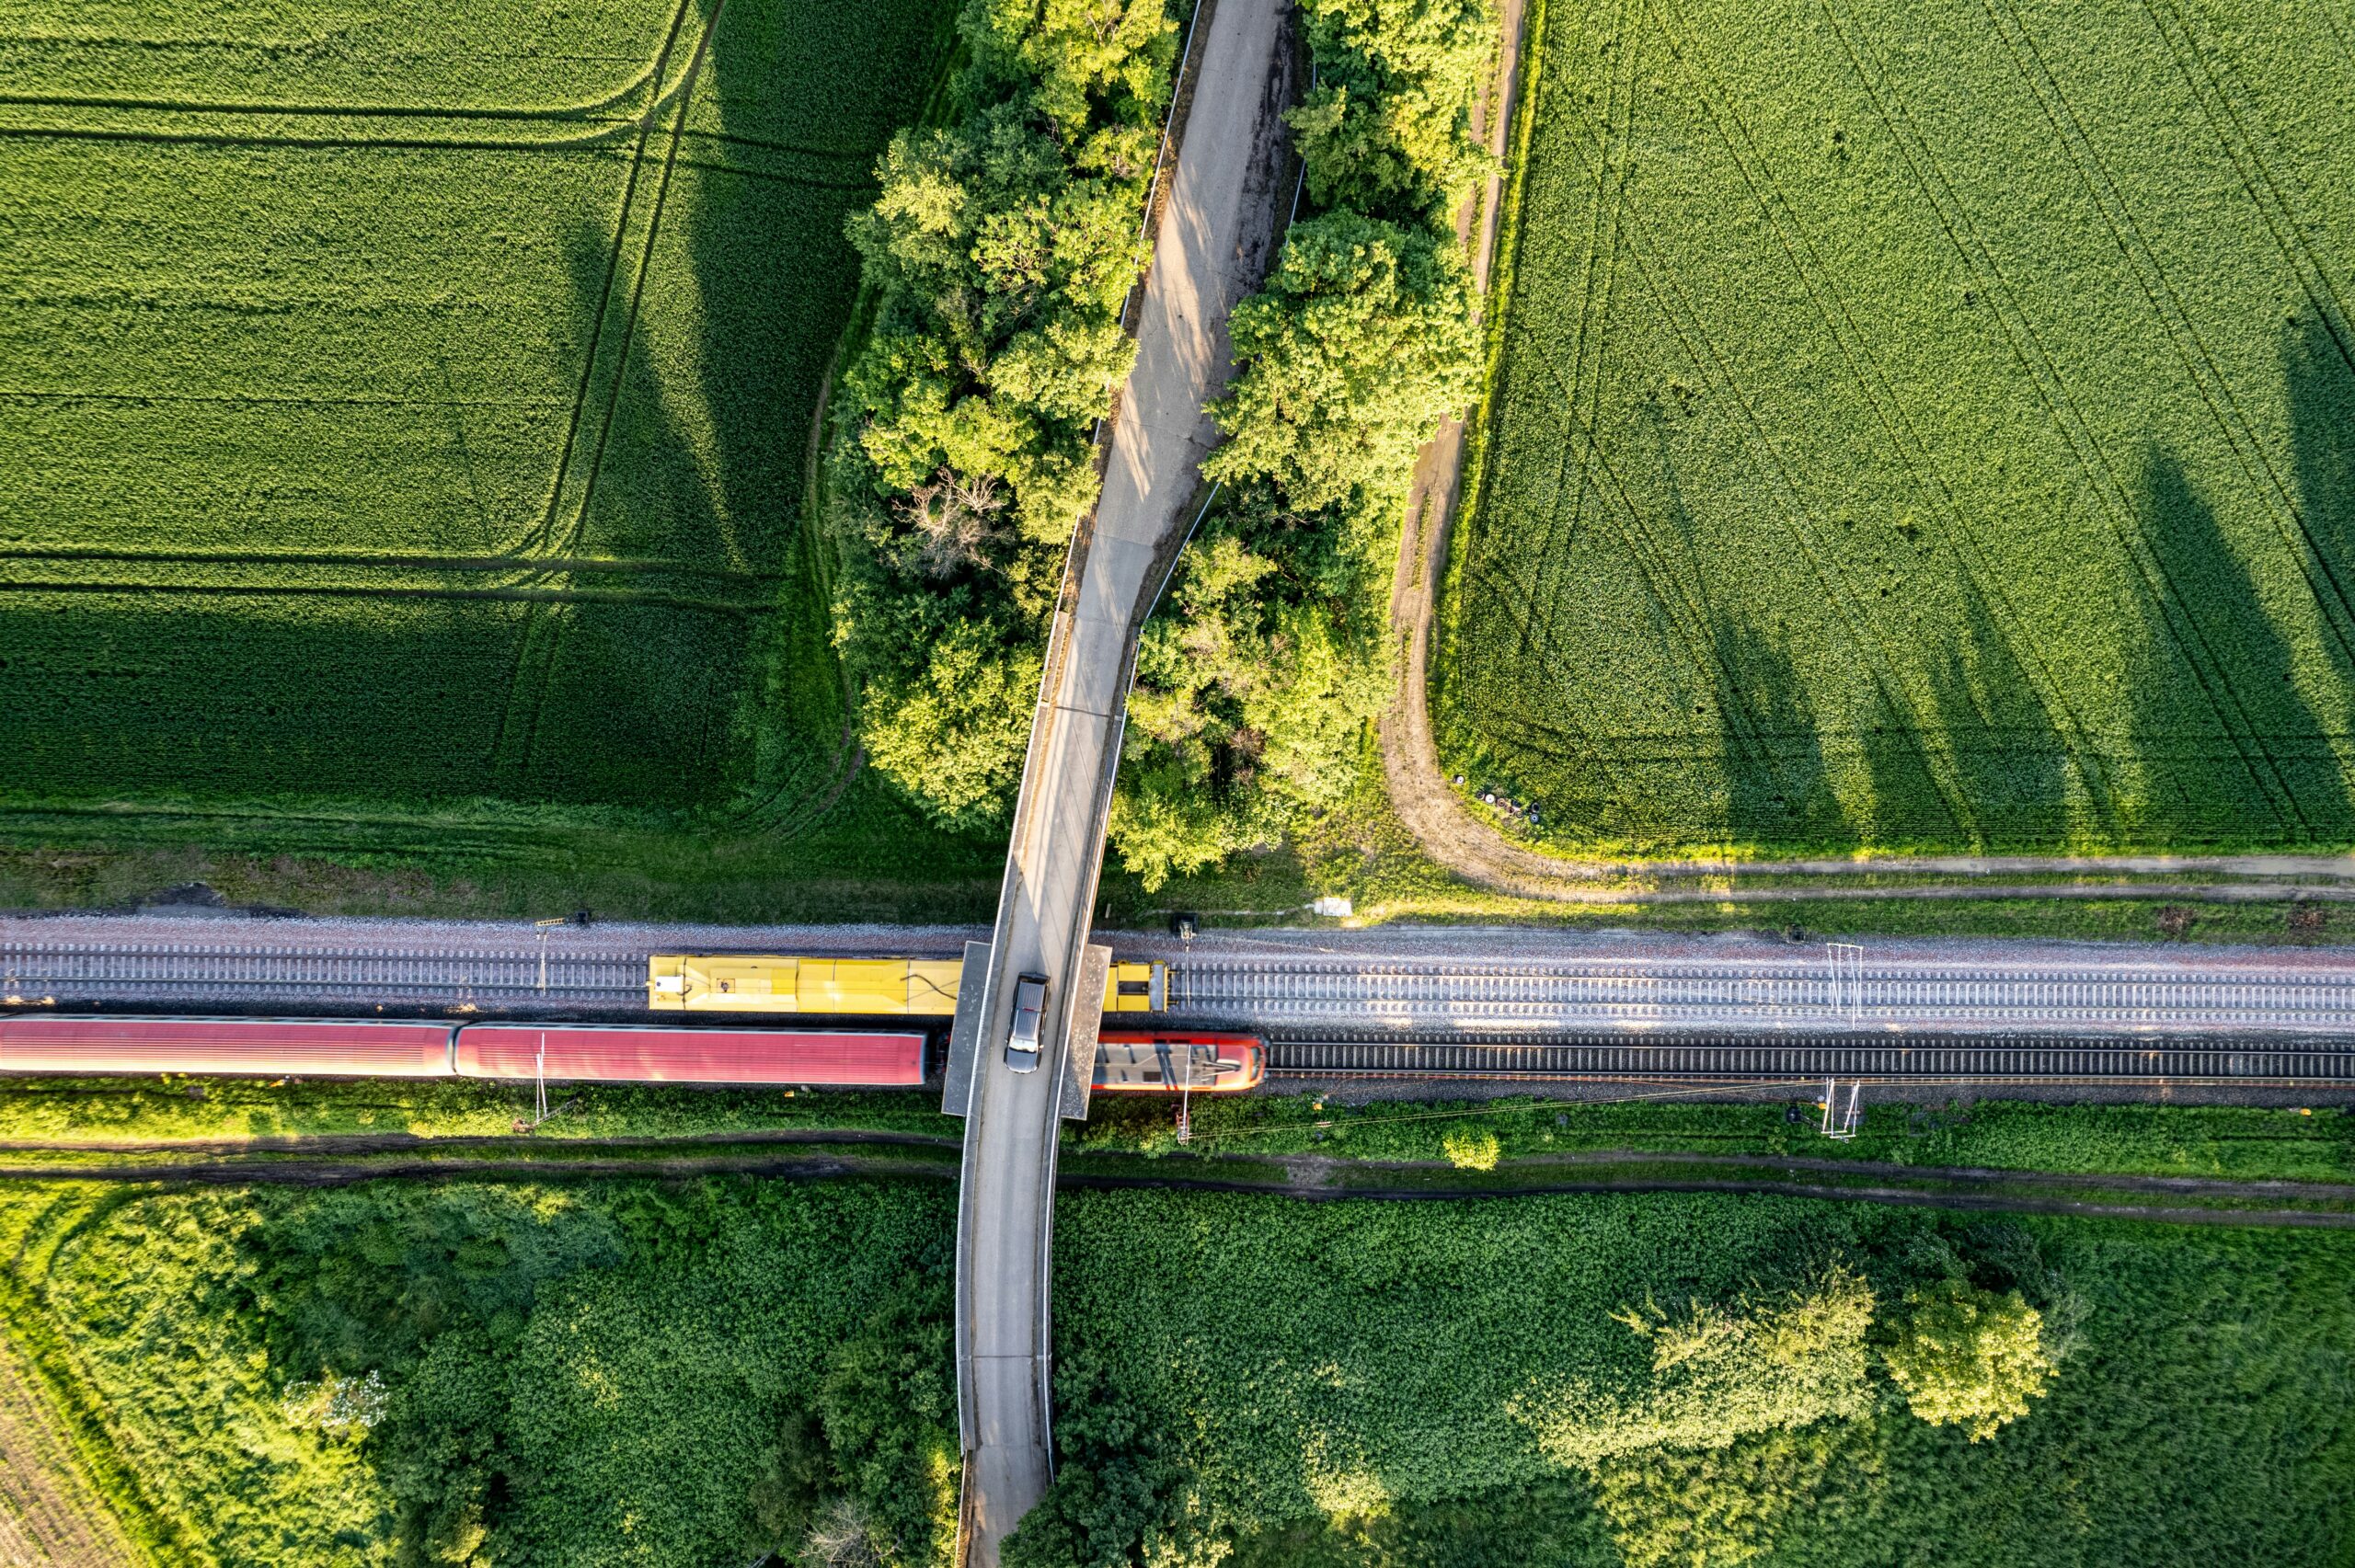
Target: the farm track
(1473, 845)
(1317, 1178)
(532, 674)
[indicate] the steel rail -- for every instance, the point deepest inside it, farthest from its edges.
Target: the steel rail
(1735, 1060)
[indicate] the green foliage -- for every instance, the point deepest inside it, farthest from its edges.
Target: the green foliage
(1387, 128)
(1711, 1507)
(1348, 1383)
(1809, 517)
(954, 735)
(1968, 1357)
(1470, 1150)
(413, 432)
(998, 256)
(613, 1373)
(1259, 683)
(1357, 348)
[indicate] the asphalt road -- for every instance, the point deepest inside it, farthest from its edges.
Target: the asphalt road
(1214, 231)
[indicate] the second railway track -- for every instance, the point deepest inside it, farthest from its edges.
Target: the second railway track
(1734, 1058)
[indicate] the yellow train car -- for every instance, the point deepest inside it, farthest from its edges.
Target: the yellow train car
(1136, 988)
(737, 982)
(734, 982)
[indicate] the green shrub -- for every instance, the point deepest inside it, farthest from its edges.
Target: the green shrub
(1969, 1358)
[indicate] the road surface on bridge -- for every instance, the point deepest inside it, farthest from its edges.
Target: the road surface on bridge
(1213, 236)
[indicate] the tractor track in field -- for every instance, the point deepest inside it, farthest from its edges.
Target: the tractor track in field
(532, 675)
(1463, 840)
(378, 590)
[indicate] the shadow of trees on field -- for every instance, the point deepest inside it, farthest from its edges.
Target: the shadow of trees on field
(707, 371)
(2231, 745)
(2236, 727)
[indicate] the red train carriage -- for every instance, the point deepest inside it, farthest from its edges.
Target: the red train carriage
(260, 1047)
(622, 1054)
(1166, 1061)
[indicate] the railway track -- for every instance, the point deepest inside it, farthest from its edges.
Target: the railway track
(1800, 1017)
(185, 974)
(1791, 996)
(1877, 1057)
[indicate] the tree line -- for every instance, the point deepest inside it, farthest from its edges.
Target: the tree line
(996, 261)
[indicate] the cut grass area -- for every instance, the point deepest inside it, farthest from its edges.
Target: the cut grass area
(1920, 427)
(407, 413)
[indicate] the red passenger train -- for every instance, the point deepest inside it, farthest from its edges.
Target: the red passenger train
(55, 1044)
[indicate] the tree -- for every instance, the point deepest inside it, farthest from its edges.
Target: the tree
(953, 737)
(1359, 345)
(1387, 130)
(1968, 1357)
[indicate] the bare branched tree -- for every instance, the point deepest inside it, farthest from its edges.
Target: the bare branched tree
(954, 516)
(840, 1538)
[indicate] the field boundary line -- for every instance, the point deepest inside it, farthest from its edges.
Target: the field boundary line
(588, 141)
(648, 72)
(515, 594)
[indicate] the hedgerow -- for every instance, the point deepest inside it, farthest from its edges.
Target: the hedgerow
(997, 262)
(1256, 684)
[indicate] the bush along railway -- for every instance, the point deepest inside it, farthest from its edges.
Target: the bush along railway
(1222, 1022)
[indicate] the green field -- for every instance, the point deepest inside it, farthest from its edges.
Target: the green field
(1457, 1386)
(686, 1373)
(409, 404)
(1921, 425)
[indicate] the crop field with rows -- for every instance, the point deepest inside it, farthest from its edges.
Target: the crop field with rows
(409, 402)
(1921, 424)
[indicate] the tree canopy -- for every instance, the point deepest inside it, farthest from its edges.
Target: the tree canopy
(1965, 1357)
(997, 257)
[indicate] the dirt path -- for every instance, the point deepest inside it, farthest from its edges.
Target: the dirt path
(1462, 838)
(2187, 1200)
(50, 1514)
